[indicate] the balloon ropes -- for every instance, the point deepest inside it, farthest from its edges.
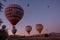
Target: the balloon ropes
(14, 14)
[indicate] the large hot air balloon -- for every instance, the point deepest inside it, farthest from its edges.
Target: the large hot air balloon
(14, 13)
(39, 27)
(28, 29)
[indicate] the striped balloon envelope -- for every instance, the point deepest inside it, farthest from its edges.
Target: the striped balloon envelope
(14, 13)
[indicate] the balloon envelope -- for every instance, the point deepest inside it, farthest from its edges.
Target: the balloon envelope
(14, 13)
(3, 26)
(39, 27)
(1, 21)
(28, 29)
(14, 30)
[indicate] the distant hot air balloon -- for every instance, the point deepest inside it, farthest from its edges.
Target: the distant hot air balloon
(14, 13)
(14, 30)
(28, 4)
(50, 3)
(3, 26)
(1, 6)
(39, 27)
(1, 22)
(28, 29)
(48, 6)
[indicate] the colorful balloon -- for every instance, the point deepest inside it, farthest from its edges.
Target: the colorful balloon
(28, 29)
(39, 27)
(14, 13)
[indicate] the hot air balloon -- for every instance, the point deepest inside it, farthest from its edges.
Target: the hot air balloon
(48, 6)
(1, 6)
(1, 22)
(3, 27)
(14, 13)
(39, 27)
(14, 30)
(28, 29)
(28, 4)
(50, 3)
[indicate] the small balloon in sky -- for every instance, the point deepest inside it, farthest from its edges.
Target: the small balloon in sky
(3, 26)
(1, 21)
(28, 29)
(48, 6)
(1, 6)
(28, 4)
(39, 27)
(14, 30)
